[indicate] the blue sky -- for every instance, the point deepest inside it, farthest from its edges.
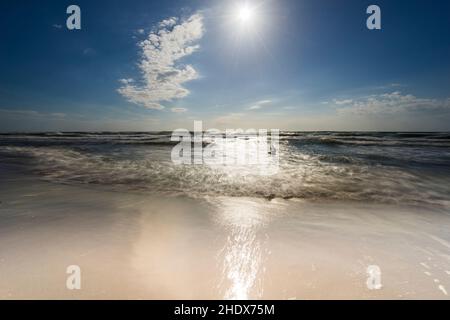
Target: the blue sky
(296, 65)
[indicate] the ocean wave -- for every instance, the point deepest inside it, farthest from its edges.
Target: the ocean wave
(301, 175)
(163, 137)
(371, 141)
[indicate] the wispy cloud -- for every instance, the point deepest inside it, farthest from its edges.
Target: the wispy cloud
(32, 113)
(162, 78)
(260, 104)
(178, 110)
(57, 26)
(228, 120)
(342, 102)
(89, 52)
(391, 103)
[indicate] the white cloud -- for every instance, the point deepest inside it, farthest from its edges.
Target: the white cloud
(170, 22)
(57, 26)
(391, 103)
(341, 102)
(162, 78)
(140, 31)
(126, 81)
(259, 104)
(178, 110)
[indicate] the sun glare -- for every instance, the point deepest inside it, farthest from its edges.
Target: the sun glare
(245, 14)
(246, 22)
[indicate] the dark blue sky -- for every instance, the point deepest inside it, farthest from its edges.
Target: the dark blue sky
(300, 64)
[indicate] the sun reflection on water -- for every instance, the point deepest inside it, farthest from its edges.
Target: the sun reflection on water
(242, 257)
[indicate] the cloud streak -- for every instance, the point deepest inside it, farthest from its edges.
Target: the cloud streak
(391, 103)
(260, 104)
(162, 76)
(178, 110)
(32, 113)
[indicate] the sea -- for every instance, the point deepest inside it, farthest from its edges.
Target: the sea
(410, 168)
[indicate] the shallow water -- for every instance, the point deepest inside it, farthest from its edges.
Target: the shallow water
(137, 246)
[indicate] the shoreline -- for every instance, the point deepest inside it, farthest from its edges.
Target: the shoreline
(134, 246)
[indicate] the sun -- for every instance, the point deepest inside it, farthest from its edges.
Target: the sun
(245, 13)
(245, 19)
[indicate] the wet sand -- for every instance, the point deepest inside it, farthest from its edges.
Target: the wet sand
(138, 246)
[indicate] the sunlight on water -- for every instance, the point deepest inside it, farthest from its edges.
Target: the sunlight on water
(242, 263)
(370, 167)
(242, 258)
(249, 155)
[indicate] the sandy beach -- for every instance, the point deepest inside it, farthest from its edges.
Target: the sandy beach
(224, 150)
(135, 246)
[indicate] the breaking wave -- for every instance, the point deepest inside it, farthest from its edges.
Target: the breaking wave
(411, 168)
